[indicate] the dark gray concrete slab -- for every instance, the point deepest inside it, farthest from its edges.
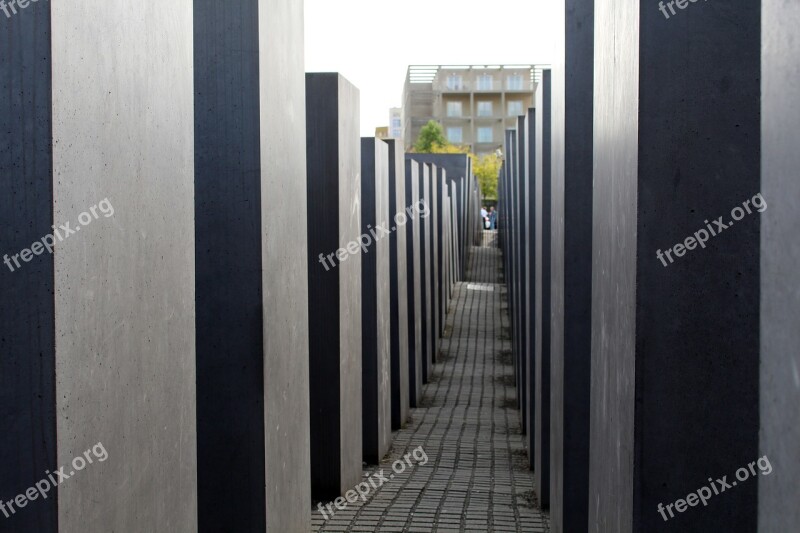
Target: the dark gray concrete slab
(524, 183)
(572, 267)
(375, 303)
(436, 256)
(414, 286)
(426, 271)
(528, 394)
(228, 264)
(398, 287)
(675, 364)
(543, 309)
(334, 224)
(441, 247)
(779, 492)
(27, 310)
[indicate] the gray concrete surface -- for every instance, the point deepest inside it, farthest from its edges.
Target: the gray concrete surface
(414, 286)
(524, 182)
(375, 303)
(228, 265)
(284, 276)
(674, 349)
(27, 307)
(542, 305)
(334, 221)
(779, 493)
(572, 129)
(426, 255)
(399, 286)
(125, 285)
(528, 395)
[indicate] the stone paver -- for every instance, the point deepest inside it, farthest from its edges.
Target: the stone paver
(477, 476)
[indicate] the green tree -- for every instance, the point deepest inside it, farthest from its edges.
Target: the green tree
(431, 137)
(486, 169)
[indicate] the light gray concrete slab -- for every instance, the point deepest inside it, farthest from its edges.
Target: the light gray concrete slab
(399, 286)
(779, 492)
(375, 301)
(125, 285)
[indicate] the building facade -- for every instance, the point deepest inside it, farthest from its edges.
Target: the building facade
(474, 104)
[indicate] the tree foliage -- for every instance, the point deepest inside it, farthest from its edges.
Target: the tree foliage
(486, 168)
(431, 138)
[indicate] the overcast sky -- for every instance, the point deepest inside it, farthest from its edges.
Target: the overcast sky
(372, 42)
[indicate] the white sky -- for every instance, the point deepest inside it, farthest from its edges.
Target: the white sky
(372, 42)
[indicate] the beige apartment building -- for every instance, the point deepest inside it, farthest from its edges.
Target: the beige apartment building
(474, 104)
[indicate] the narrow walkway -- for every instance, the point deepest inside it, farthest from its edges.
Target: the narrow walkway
(476, 478)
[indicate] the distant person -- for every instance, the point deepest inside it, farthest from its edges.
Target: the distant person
(485, 217)
(492, 218)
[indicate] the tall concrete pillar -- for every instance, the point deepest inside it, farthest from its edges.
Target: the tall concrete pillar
(334, 228)
(375, 303)
(571, 340)
(426, 270)
(398, 270)
(524, 303)
(414, 286)
(252, 371)
(441, 248)
(528, 393)
(97, 315)
(542, 304)
(779, 492)
(675, 343)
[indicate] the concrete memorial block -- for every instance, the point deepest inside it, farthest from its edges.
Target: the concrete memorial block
(542, 306)
(334, 229)
(572, 90)
(524, 309)
(779, 492)
(528, 394)
(456, 262)
(426, 270)
(97, 339)
(398, 286)
(375, 302)
(436, 258)
(414, 286)
(444, 258)
(511, 169)
(675, 343)
(252, 371)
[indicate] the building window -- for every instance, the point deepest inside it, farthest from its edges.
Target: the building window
(455, 135)
(515, 108)
(485, 135)
(455, 82)
(514, 82)
(485, 82)
(454, 109)
(485, 109)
